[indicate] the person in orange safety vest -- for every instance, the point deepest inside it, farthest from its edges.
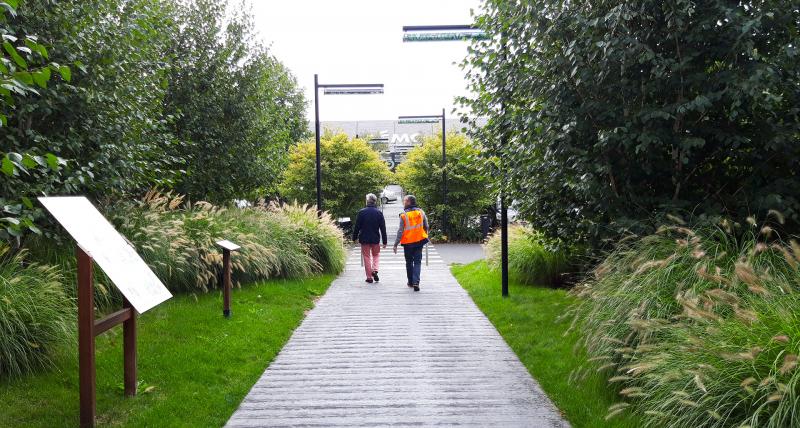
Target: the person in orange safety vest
(412, 235)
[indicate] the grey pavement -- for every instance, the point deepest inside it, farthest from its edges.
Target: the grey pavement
(382, 354)
(461, 253)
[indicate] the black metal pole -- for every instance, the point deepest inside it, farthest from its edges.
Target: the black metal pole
(444, 174)
(316, 133)
(504, 241)
(503, 202)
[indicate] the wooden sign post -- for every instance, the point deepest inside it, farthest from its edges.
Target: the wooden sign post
(227, 247)
(97, 241)
(89, 328)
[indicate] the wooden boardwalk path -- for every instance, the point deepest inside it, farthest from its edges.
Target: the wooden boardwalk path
(381, 354)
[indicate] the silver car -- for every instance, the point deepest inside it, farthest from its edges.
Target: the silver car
(388, 196)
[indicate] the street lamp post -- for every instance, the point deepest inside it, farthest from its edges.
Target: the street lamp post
(437, 33)
(436, 118)
(503, 195)
(335, 89)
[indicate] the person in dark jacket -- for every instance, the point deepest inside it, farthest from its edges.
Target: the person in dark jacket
(370, 230)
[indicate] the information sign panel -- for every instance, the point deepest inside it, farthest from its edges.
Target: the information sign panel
(228, 245)
(118, 259)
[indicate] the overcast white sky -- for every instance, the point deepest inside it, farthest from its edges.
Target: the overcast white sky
(360, 41)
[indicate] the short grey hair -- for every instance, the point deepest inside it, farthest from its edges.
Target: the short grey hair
(371, 199)
(411, 199)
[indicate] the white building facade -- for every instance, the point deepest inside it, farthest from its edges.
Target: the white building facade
(391, 138)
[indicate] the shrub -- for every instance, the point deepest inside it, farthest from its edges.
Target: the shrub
(35, 314)
(698, 328)
(177, 240)
(350, 170)
(606, 123)
(421, 175)
(530, 261)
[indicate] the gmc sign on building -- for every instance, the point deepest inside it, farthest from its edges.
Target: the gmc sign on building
(391, 138)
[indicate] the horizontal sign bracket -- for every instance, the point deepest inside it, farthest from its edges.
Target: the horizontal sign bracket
(112, 320)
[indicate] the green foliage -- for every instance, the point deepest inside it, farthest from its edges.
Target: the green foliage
(24, 172)
(59, 252)
(237, 108)
(531, 320)
(115, 97)
(696, 328)
(322, 240)
(613, 111)
(24, 71)
(185, 347)
(350, 170)
(35, 314)
(421, 175)
(530, 259)
(105, 115)
(177, 240)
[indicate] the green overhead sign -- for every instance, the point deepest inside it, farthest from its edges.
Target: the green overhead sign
(443, 36)
(352, 91)
(407, 121)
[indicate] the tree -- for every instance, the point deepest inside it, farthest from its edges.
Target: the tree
(114, 97)
(24, 71)
(350, 170)
(107, 117)
(421, 175)
(237, 108)
(614, 112)
(94, 124)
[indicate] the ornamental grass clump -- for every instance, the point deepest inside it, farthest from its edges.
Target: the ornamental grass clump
(177, 239)
(36, 316)
(698, 327)
(318, 233)
(60, 253)
(530, 261)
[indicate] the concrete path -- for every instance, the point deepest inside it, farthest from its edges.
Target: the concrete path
(461, 253)
(381, 354)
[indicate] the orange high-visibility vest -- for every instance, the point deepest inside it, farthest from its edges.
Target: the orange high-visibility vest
(413, 227)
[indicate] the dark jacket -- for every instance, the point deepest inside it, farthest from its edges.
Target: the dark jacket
(370, 226)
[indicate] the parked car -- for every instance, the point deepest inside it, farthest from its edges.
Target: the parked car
(388, 196)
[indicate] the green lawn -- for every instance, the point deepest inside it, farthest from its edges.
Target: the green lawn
(529, 320)
(195, 365)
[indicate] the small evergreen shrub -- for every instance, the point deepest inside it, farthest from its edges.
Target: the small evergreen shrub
(36, 316)
(698, 328)
(530, 261)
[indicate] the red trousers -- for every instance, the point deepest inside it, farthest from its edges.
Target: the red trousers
(371, 254)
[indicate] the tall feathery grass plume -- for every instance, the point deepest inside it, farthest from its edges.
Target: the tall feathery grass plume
(698, 327)
(177, 239)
